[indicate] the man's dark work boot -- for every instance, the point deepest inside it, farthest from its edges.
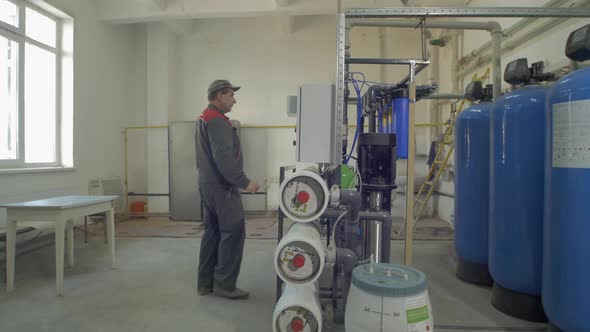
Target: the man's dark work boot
(236, 294)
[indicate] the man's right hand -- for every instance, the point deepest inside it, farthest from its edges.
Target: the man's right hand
(253, 187)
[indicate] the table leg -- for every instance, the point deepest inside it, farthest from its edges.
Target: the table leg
(59, 255)
(10, 253)
(85, 229)
(104, 228)
(70, 226)
(110, 223)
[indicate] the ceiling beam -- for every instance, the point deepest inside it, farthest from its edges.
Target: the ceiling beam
(162, 4)
(139, 11)
(180, 27)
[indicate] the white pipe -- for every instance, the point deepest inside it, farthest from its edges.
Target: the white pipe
(497, 64)
(516, 27)
(454, 58)
(513, 43)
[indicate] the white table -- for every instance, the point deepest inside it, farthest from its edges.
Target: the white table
(62, 211)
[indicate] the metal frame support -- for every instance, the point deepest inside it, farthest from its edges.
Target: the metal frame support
(466, 12)
(411, 161)
(339, 129)
(371, 61)
(418, 67)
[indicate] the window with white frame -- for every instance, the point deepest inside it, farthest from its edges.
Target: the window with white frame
(36, 90)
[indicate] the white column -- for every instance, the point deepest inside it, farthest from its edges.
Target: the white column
(157, 109)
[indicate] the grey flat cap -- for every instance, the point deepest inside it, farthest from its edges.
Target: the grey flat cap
(221, 84)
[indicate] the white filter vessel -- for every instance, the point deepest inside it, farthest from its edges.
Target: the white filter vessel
(298, 310)
(388, 298)
(300, 255)
(304, 195)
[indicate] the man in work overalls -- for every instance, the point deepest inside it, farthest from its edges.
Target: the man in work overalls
(221, 175)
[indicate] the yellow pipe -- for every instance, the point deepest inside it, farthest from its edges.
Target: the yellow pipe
(127, 157)
(126, 173)
(267, 126)
(435, 124)
(349, 126)
(146, 127)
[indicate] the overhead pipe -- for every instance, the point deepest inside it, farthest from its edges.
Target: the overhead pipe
(454, 60)
(512, 44)
(427, 24)
(445, 96)
(496, 63)
(493, 27)
(516, 27)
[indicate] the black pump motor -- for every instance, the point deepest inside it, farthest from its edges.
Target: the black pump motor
(377, 166)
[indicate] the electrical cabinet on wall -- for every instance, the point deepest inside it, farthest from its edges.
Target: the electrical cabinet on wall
(315, 125)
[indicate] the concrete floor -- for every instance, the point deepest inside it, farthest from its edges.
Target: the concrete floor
(153, 289)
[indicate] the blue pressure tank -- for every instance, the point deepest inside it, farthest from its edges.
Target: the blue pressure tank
(566, 267)
(472, 165)
(516, 200)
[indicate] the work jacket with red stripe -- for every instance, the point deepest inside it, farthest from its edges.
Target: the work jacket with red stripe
(218, 150)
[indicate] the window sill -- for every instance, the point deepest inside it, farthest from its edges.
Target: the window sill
(36, 170)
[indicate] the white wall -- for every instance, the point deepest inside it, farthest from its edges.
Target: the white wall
(104, 92)
(548, 47)
(269, 63)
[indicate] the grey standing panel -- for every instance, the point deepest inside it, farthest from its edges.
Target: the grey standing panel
(185, 200)
(315, 123)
